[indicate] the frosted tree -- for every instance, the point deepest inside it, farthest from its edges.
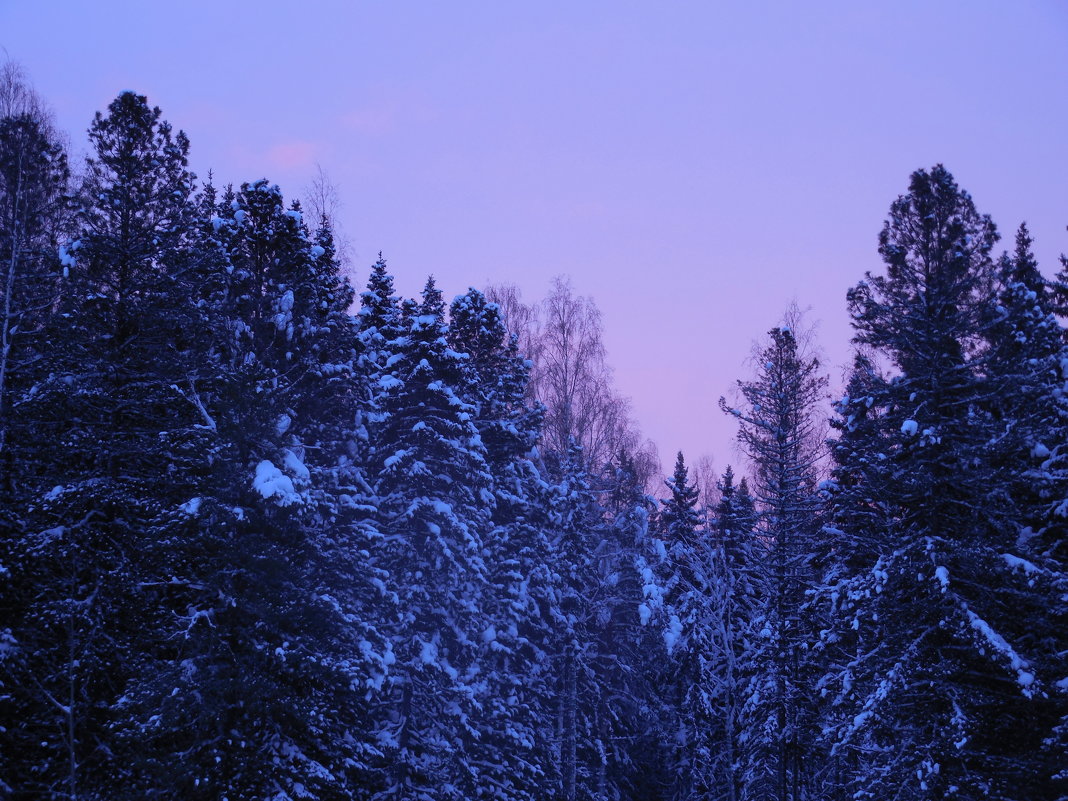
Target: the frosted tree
(577, 526)
(938, 685)
(103, 410)
(271, 649)
(683, 574)
(436, 500)
(513, 755)
(34, 213)
(779, 431)
(629, 644)
(1025, 372)
(713, 654)
(34, 208)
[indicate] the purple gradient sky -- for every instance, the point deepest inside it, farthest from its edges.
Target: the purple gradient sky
(694, 166)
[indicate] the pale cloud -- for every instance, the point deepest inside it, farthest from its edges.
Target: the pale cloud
(292, 155)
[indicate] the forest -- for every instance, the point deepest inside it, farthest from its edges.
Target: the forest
(268, 535)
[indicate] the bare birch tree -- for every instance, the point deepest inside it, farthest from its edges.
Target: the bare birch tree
(564, 336)
(323, 204)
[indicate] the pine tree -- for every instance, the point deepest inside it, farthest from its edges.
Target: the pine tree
(938, 692)
(106, 415)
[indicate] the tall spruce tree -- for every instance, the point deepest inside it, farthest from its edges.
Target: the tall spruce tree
(1025, 369)
(514, 754)
(628, 644)
(779, 432)
(684, 581)
(436, 498)
(732, 642)
(577, 528)
(273, 650)
(717, 648)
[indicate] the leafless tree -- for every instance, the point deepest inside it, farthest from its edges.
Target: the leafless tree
(564, 337)
(704, 474)
(323, 204)
(522, 319)
(18, 97)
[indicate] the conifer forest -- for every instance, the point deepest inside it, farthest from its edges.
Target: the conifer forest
(269, 530)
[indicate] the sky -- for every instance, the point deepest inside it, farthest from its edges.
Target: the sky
(695, 167)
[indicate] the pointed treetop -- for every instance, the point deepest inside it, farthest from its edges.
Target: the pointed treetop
(378, 304)
(678, 514)
(727, 481)
(433, 303)
(1023, 266)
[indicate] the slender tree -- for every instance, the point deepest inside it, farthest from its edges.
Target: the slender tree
(778, 431)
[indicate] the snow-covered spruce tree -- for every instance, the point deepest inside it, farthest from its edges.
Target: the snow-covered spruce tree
(274, 650)
(857, 443)
(604, 705)
(628, 711)
(939, 694)
(514, 752)
(381, 337)
(779, 432)
(1023, 367)
(436, 499)
(732, 643)
(379, 320)
(713, 654)
(1026, 370)
(102, 408)
(683, 578)
(577, 523)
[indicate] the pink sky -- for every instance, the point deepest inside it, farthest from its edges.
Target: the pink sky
(694, 166)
